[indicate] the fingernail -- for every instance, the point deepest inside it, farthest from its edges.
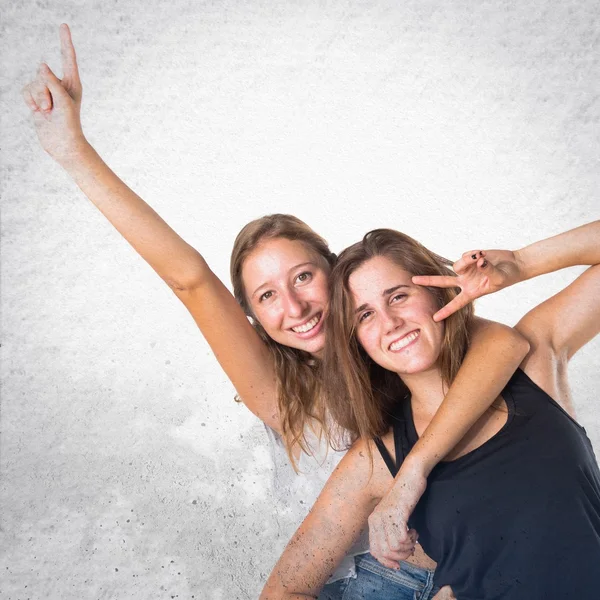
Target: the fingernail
(480, 253)
(473, 256)
(484, 263)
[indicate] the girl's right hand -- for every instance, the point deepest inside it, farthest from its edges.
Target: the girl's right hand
(55, 105)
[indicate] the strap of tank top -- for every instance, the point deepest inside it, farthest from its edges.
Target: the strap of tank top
(401, 444)
(387, 457)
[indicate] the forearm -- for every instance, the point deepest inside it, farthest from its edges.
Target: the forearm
(493, 356)
(330, 529)
(175, 261)
(579, 246)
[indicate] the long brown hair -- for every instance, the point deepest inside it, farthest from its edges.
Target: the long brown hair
(298, 373)
(360, 395)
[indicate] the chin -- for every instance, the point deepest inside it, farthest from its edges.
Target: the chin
(313, 346)
(415, 365)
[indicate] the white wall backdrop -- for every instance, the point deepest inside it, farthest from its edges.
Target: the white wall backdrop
(127, 469)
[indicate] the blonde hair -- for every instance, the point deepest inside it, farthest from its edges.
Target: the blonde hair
(298, 373)
(360, 395)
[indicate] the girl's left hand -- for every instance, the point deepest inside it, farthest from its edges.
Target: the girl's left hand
(390, 540)
(478, 272)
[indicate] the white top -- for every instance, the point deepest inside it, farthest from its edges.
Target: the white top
(297, 492)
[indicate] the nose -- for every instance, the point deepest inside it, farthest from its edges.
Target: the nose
(295, 305)
(391, 321)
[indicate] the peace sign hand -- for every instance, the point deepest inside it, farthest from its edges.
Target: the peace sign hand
(56, 103)
(478, 273)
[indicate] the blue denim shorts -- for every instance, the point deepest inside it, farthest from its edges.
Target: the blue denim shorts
(373, 581)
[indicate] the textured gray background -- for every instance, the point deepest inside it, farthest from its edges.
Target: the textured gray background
(127, 469)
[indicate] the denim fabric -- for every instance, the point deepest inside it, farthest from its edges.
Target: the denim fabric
(373, 581)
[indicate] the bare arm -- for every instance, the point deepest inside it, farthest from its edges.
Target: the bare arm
(330, 529)
(579, 246)
(494, 353)
(557, 329)
(482, 272)
(236, 345)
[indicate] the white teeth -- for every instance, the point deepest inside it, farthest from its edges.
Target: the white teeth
(307, 326)
(405, 341)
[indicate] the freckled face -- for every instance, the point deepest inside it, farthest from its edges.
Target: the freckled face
(394, 318)
(286, 286)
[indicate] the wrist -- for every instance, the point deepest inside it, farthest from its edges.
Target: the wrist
(524, 266)
(78, 150)
(417, 465)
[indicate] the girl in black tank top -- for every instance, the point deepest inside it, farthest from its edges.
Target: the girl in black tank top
(496, 518)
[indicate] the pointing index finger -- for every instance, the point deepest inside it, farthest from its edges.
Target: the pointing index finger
(69, 59)
(442, 281)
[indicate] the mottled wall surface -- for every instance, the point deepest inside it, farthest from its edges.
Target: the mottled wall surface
(127, 469)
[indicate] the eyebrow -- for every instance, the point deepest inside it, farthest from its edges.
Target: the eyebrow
(299, 266)
(383, 294)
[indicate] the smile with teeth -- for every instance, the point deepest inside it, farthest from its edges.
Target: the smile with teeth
(308, 325)
(405, 341)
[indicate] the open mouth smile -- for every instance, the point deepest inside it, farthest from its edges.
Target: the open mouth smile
(308, 325)
(403, 342)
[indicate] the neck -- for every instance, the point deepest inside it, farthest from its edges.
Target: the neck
(426, 389)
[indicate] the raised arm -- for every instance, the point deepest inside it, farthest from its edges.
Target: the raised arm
(563, 324)
(482, 272)
(55, 106)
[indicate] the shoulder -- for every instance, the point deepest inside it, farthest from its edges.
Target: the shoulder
(483, 332)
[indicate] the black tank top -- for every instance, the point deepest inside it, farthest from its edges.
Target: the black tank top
(519, 517)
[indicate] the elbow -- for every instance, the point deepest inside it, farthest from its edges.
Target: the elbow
(274, 588)
(268, 594)
(192, 275)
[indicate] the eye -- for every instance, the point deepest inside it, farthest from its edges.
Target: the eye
(365, 316)
(265, 296)
(304, 277)
(397, 297)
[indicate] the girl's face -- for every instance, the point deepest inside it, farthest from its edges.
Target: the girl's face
(394, 321)
(286, 287)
